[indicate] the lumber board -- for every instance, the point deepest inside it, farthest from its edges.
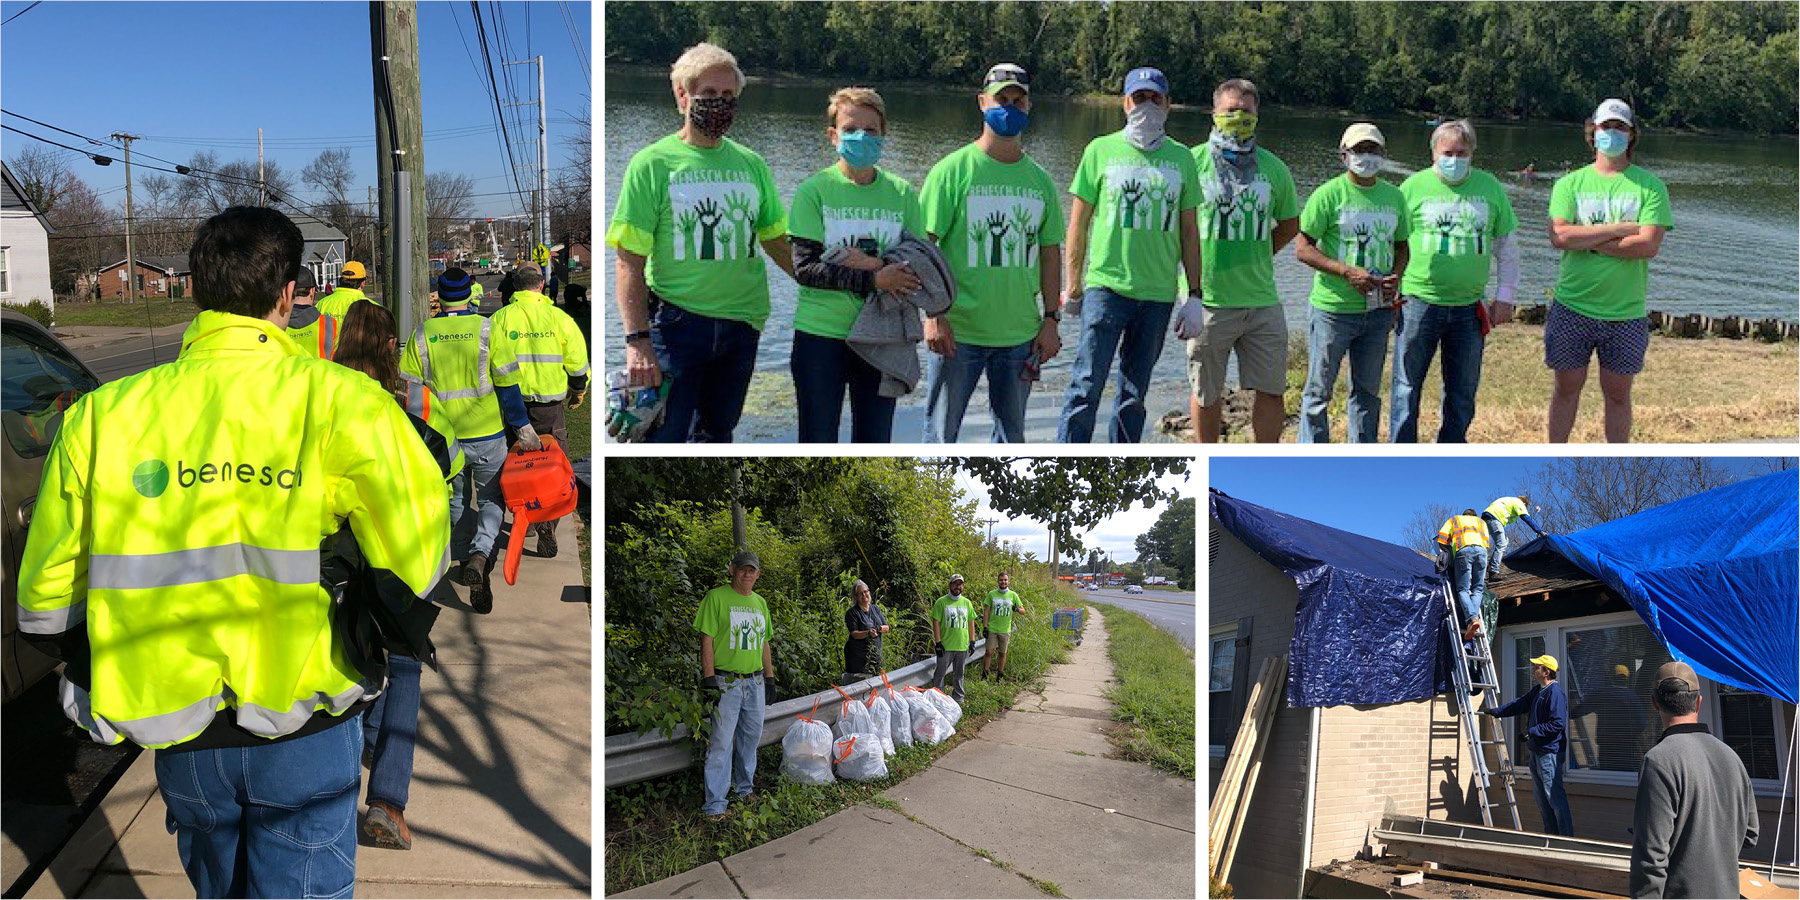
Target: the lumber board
(1231, 776)
(1536, 887)
(1265, 731)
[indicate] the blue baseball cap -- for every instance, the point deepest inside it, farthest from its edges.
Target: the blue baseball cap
(1139, 79)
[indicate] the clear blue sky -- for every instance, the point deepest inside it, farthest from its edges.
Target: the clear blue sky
(209, 73)
(1376, 496)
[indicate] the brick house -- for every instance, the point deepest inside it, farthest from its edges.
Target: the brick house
(157, 276)
(1329, 774)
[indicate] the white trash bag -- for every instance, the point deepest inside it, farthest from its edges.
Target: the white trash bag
(881, 720)
(859, 757)
(806, 751)
(950, 708)
(853, 717)
(900, 717)
(929, 724)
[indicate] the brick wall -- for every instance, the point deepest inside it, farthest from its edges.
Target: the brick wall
(1395, 758)
(112, 287)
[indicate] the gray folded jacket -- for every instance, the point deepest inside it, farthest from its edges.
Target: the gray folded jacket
(888, 328)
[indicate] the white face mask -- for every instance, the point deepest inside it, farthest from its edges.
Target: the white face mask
(1363, 165)
(1144, 124)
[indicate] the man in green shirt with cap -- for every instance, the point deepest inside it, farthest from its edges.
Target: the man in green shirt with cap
(951, 616)
(738, 668)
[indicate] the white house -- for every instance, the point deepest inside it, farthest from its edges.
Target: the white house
(24, 246)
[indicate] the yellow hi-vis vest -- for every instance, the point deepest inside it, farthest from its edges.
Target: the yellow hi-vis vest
(422, 404)
(475, 293)
(1507, 510)
(452, 355)
(1463, 531)
(179, 522)
(337, 303)
(319, 338)
(541, 343)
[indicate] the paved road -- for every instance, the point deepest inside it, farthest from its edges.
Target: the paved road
(1172, 611)
(115, 361)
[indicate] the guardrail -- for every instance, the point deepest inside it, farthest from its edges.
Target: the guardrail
(631, 758)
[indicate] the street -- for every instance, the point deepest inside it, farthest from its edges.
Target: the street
(1172, 611)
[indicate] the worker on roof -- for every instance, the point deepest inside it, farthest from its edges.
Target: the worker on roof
(1463, 543)
(1546, 711)
(314, 331)
(349, 290)
(1498, 515)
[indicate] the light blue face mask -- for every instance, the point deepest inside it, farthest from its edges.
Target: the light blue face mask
(860, 148)
(1453, 168)
(1612, 141)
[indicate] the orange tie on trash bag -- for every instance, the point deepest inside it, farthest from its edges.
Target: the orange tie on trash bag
(539, 486)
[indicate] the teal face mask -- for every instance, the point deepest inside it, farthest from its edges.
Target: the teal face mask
(1453, 168)
(1612, 141)
(860, 148)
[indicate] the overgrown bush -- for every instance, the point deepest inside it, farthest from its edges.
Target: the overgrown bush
(37, 309)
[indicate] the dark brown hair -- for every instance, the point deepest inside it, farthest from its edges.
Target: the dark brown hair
(243, 258)
(363, 345)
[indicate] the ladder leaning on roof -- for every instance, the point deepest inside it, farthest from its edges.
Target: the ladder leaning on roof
(1475, 736)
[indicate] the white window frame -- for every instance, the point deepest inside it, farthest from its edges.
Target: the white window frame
(1553, 633)
(6, 272)
(1227, 631)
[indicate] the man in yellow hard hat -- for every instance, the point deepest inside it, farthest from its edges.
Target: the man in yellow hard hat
(349, 290)
(174, 562)
(1546, 711)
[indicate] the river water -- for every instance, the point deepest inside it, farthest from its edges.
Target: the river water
(1735, 248)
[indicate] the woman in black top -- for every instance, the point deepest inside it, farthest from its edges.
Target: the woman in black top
(866, 624)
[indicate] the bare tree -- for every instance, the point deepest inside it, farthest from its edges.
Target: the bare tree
(332, 172)
(44, 174)
(572, 186)
(448, 202)
(217, 186)
(1580, 492)
(1421, 531)
(88, 235)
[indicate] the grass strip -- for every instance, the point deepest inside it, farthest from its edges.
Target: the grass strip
(1154, 694)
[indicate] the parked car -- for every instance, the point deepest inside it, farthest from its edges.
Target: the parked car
(1133, 589)
(41, 379)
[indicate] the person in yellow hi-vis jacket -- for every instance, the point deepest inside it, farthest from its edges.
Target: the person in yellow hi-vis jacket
(174, 563)
(1463, 553)
(539, 342)
(351, 278)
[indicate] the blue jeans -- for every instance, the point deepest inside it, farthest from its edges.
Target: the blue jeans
(1547, 788)
(1134, 329)
(481, 473)
(1329, 337)
(391, 727)
(1424, 327)
(273, 820)
(949, 383)
(1497, 537)
(731, 751)
(824, 370)
(1468, 575)
(711, 361)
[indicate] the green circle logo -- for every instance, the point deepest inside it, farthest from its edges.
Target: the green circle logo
(512, 335)
(431, 340)
(150, 478)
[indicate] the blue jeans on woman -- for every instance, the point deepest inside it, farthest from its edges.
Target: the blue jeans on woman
(1424, 327)
(1133, 329)
(711, 361)
(731, 751)
(390, 730)
(1330, 337)
(950, 383)
(1547, 789)
(272, 820)
(824, 370)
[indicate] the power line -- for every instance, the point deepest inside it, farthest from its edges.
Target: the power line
(22, 12)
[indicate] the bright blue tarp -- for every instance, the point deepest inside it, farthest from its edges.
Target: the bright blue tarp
(1716, 576)
(1369, 624)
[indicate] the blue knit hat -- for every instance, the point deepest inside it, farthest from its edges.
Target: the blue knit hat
(453, 285)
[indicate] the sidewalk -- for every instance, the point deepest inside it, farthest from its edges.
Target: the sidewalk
(501, 802)
(1032, 789)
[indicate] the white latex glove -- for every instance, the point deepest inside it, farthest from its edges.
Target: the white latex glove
(528, 440)
(1189, 317)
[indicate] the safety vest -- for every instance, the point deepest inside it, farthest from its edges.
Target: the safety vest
(1507, 510)
(187, 545)
(1463, 531)
(475, 294)
(451, 354)
(319, 338)
(337, 303)
(422, 404)
(541, 343)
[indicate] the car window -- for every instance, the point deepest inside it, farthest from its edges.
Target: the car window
(40, 380)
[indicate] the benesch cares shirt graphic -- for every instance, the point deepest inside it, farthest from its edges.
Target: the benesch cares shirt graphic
(739, 627)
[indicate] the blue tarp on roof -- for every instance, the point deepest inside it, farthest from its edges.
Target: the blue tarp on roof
(1716, 576)
(1369, 624)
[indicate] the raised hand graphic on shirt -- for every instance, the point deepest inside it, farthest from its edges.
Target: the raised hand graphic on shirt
(710, 215)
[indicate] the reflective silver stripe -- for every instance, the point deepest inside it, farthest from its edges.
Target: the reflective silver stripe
(128, 571)
(579, 373)
(80, 710)
(424, 353)
(270, 723)
(443, 565)
(466, 393)
(481, 358)
(415, 400)
(545, 398)
(541, 358)
(509, 368)
(52, 621)
(410, 378)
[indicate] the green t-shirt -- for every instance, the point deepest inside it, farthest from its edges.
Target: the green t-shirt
(954, 615)
(1134, 239)
(1453, 230)
(697, 215)
(990, 218)
(835, 211)
(1237, 260)
(1000, 610)
(1594, 284)
(1354, 225)
(739, 627)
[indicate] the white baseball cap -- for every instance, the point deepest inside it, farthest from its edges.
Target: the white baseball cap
(1613, 108)
(1361, 131)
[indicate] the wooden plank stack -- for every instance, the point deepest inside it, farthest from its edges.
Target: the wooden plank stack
(1237, 782)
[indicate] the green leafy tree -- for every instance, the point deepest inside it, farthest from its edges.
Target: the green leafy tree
(1171, 540)
(1072, 493)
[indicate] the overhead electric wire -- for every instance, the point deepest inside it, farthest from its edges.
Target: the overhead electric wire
(22, 12)
(581, 54)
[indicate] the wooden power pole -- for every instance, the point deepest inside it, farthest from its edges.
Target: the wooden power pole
(131, 275)
(400, 147)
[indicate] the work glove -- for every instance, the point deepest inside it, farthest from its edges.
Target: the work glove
(938, 647)
(768, 692)
(984, 633)
(713, 684)
(576, 399)
(1189, 317)
(529, 441)
(1442, 564)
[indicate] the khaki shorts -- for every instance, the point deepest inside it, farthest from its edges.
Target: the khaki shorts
(1258, 335)
(997, 642)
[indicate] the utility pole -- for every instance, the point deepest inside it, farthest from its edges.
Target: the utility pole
(990, 525)
(400, 150)
(262, 183)
(540, 208)
(131, 275)
(374, 256)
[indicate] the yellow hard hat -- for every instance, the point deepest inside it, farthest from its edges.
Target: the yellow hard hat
(353, 269)
(1547, 661)
(1621, 671)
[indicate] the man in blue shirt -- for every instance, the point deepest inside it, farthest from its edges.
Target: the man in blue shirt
(1546, 711)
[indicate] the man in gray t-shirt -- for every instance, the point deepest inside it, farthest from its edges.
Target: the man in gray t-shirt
(1695, 808)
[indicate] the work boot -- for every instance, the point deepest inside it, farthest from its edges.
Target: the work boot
(474, 571)
(481, 596)
(546, 532)
(386, 826)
